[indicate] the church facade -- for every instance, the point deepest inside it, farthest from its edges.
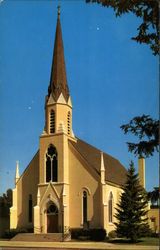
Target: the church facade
(68, 183)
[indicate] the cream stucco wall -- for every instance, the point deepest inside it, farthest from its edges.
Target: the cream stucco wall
(26, 185)
(80, 178)
(153, 215)
(116, 192)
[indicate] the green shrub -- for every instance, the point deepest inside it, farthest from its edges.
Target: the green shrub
(97, 234)
(22, 230)
(112, 234)
(30, 230)
(155, 235)
(12, 232)
(76, 233)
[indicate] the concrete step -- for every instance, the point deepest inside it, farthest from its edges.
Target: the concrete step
(49, 237)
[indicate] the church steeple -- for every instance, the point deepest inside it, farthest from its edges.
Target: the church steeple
(58, 80)
(58, 105)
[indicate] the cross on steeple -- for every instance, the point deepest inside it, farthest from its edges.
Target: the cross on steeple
(59, 10)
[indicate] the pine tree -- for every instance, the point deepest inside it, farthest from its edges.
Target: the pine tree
(131, 212)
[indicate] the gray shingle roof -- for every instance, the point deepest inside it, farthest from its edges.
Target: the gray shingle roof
(115, 172)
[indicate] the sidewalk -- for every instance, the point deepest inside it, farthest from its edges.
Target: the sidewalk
(75, 245)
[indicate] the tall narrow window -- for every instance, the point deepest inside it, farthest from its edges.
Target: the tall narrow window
(68, 122)
(30, 208)
(84, 207)
(51, 164)
(48, 168)
(110, 207)
(52, 122)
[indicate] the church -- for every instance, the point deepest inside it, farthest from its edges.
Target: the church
(68, 183)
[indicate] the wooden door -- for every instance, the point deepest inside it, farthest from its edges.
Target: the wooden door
(52, 223)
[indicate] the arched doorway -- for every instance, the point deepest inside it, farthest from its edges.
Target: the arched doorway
(52, 218)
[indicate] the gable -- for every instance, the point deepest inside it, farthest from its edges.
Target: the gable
(32, 169)
(50, 194)
(115, 172)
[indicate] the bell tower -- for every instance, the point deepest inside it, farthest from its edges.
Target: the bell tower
(58, 105)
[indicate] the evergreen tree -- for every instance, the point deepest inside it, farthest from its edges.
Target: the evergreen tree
(131, 212)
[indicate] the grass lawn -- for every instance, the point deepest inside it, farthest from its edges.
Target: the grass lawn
(147, 241)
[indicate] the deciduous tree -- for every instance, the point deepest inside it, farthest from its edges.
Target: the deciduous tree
(147, 130)
(147, 11)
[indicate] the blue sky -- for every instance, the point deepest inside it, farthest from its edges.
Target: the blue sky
(111, 79)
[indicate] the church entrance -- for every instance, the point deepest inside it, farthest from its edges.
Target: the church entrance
(52, 219)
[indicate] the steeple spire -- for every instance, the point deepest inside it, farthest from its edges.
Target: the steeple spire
(58, 81)
(17, 173)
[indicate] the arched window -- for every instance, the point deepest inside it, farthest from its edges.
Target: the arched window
(51, 164)
(110, 207)
(30, 208)
(68, 122)
(84, 207)
(52, 209)
(52, 122)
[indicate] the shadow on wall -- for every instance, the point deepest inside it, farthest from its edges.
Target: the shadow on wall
(96, 218)
(26, 191)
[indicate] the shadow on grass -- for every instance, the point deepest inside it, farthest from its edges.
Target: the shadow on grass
(122, 241)
(150, 241)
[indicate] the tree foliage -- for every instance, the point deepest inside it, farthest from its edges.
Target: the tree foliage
(144, 128)
(5, 203)
(147, 10)
(131, 211)
(6, 198)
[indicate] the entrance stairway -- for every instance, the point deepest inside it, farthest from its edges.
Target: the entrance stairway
(49, 237)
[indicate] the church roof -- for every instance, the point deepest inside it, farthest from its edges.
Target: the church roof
(115, 172)
(58, 80)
